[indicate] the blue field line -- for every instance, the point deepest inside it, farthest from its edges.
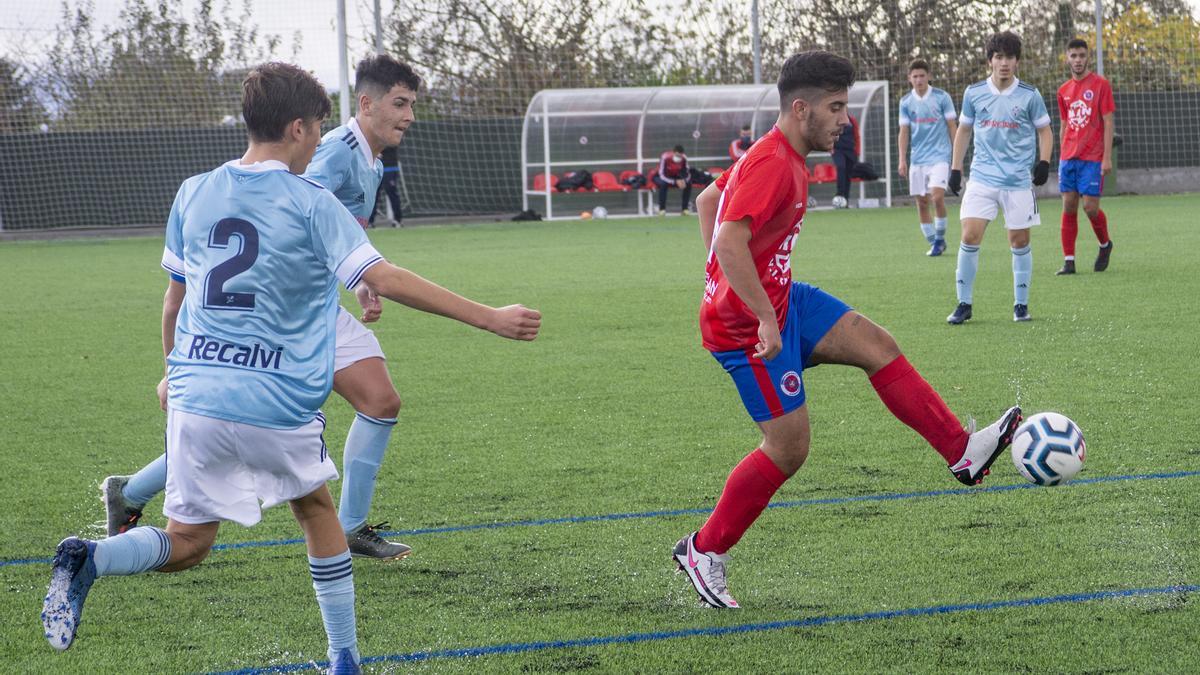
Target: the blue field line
(810, 622)
(882, 497)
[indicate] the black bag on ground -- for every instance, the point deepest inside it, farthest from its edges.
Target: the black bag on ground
(528, 214)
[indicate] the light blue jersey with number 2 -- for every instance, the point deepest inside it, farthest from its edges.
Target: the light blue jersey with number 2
(260, 250)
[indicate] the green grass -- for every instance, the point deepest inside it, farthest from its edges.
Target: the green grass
(616, 408)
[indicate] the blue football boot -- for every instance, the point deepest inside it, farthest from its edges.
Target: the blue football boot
(71, 578)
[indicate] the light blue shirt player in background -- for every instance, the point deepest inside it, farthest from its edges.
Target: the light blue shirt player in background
(252, 358)
(927, 117)
(1011, 128)
(347, 164)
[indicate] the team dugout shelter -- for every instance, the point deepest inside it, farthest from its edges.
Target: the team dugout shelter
(615, 134)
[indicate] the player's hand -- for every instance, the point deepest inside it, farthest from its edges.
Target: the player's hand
(370, 303)
(680, 183)
(955, 181)
(1041, 172)
(1105, 167)
(516, 322)
(902, 169)
(161, 389)
(769, 342)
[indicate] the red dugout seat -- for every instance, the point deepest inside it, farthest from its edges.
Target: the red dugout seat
(539, 182)
(605, 181)
(824, 173)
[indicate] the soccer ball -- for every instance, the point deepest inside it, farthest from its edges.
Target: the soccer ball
(586, 215)
(1048, 449)
(599, 212)
(839, 202)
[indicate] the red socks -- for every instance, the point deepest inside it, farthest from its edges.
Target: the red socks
(1100, 227)
(1070, 230)
(747, 492)
(914, 402)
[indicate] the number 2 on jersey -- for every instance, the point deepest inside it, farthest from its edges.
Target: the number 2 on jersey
(215, 295)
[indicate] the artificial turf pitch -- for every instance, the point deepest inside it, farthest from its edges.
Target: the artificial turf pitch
(616, 409)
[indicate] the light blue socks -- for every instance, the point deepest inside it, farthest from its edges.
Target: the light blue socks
(365, 445)
(138, 550)
(964, 276)
(927, 230)
(144, 484)
(939, 225)
(333, 580)
(1022, 263)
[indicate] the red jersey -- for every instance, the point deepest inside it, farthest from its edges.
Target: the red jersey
(1081, 106)
(769, 185)
(668, 168)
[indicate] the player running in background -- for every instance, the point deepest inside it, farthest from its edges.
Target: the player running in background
(1011, 126)
(262, 250)
(1086, 107)
(347, 164)
(765, 329)
(927, 117)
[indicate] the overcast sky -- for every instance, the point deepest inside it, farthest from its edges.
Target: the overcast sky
(25, 24)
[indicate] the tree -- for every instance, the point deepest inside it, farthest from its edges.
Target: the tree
(20, 111)
(154, 69)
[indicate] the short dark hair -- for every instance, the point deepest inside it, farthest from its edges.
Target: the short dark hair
(381, 72)
(1077, 43)
(679, 149)
(918, 64)
(276, 94)
(746, 127)
(816, 69)
(1006, 43)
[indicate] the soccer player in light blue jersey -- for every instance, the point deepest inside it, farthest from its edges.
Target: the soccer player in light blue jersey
(262, 250)
(927, 118)
(1011, 127)
(347, 164)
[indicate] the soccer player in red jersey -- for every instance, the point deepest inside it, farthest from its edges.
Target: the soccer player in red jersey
(1085, 104)
(766, 329)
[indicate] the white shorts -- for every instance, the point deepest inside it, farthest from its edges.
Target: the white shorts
(220, 470)
(1020, 205)
(922, 178)
(354, 341)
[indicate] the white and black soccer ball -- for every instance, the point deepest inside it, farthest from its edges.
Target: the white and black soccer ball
(599, 212)
(1048, 449)
(839, 202)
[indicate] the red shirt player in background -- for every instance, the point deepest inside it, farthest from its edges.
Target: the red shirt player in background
(765, 329)
(1086, 107)
(740, 145)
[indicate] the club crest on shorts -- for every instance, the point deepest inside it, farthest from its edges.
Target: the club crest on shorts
(790, 383)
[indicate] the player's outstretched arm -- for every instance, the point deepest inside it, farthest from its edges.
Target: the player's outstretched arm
(706, 209)
(515, 322)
